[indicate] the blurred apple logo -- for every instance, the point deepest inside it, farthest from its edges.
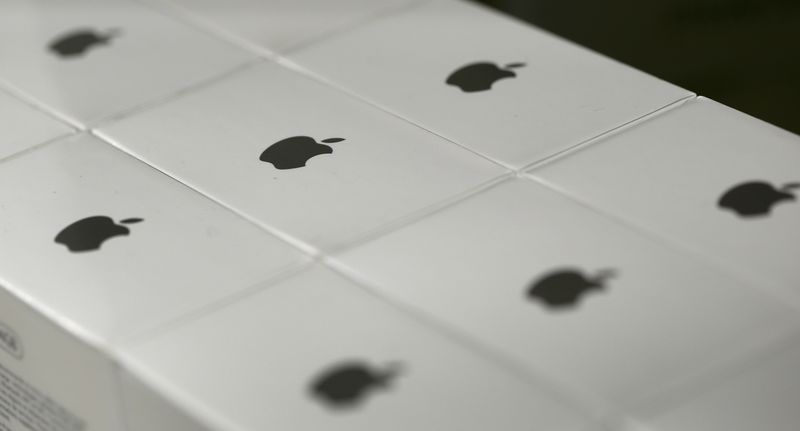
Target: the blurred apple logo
(756, 198)
(346, 384)
(564, 288)
(78, 42)
(481, 76)
(10, 342)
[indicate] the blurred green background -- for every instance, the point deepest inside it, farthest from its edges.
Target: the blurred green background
(743, 53)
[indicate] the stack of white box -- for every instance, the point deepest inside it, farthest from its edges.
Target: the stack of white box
(379, 215)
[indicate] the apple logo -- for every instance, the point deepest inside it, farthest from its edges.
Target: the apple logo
(77, 42)
(345, 384)
(294, 152)
(89, 233)
(755, 198)
(480, 76)
(563, 288)
(10, 342)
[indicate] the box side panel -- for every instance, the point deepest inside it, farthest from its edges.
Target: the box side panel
(146, 409)
(49, 379)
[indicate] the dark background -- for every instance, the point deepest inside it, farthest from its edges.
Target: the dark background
(743, 53)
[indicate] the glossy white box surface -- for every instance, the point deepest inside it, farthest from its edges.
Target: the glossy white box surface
(90, 59)
(562, 96)
(381, 170)
(671, 175)
(109, 279)
(568, 293)
(260, 363)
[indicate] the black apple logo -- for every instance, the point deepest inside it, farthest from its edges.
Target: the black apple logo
(294, 152)
(345, 384)
(755, 198)
(89, 233)
(77, 42)
(480, 76)
(564, 288)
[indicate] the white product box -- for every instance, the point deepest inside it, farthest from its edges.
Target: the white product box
(99, 248)
(556, 254)
(132, 303)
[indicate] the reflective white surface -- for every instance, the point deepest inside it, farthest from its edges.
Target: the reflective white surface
(668, 174)
(562, 96)
(657, 319)
(150, 55)
(383, 170)
(187, 253)
(290, 333)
